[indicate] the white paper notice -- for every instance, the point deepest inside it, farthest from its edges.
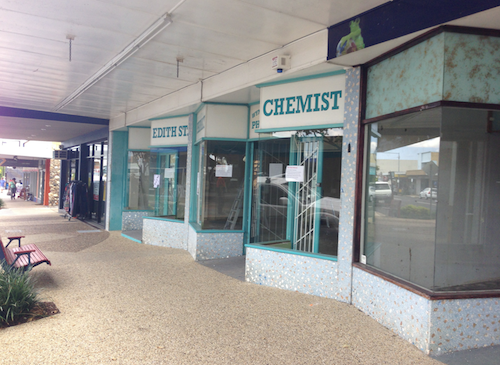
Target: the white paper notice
(156, 181)
(169, 173)
(294, 173)
(224, 171)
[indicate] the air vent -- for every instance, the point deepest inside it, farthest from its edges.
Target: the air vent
(60, 155)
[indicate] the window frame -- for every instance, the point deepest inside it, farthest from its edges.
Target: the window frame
(360, 199)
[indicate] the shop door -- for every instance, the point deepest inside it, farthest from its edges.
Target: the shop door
(306, 218)
(301, 215)
(165, 183)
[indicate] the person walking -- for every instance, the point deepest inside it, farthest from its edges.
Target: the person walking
(2, 184)
(13, 189)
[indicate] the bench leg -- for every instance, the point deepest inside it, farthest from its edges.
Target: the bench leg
(13, 239)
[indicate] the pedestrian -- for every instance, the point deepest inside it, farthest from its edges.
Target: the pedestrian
(13, 189)
(19, 187)
(2, 184)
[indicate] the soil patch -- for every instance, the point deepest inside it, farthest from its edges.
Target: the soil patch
(39, 311)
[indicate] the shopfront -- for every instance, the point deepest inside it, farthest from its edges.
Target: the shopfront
(86, 165)
(156, 182)
(303, 206)
(96, 181)
(297, 166)
(424, 265)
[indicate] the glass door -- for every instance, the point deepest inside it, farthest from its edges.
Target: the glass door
(300, 212)
(166, 200)
(306, 193)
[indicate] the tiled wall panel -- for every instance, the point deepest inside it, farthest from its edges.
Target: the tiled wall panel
(292, 272)
(411, 78)
(404, 312)
(132, 221)
(348, 183)
(472, 68)
(464, 324)
(165, 233)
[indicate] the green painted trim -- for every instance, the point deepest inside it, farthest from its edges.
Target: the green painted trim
(261, 139)
(293, 252)
(137, 210)
(137, 150)
(116, 165)
(194, 171)
(131, 238)
(165, 219)
(168, 145)
(254, 103)
(247, 192)
(171, 117)
(138, 127)
(215, 103)
(199, 109)
(198, 229)
(249, 117)
(222, 139)
(303, 78)
(319, 192)
(301, 128)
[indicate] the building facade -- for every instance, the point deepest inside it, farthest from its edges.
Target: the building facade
(289, 179)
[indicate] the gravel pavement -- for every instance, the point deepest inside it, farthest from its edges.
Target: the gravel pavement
(122, 302)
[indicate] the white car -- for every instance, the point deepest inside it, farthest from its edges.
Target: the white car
(380, 191)
(428, 193)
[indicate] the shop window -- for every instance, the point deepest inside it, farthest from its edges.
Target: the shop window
(168, 174)
(141, 195)
(300, 215)
(431, 193)
(220, 185)
(157, 181)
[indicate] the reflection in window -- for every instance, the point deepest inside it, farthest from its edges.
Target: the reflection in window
(168, 171)
(140, 196)
(220, 185)
(431, 196)
(302, 216)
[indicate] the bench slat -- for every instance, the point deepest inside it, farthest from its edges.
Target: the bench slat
(37, 257)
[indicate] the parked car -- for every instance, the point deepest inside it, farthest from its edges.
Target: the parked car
(380, 191)
(428, 193)
(274, 204)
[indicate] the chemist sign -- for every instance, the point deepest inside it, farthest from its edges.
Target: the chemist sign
(313, 102)
(169, 132)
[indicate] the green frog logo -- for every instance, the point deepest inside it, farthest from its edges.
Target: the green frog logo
(351, 42)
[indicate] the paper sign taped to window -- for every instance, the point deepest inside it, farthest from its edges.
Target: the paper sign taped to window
(169, 173)
(294, 173)
(156, 181)
(224, 171)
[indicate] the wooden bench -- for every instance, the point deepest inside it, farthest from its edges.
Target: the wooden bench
(25, 257)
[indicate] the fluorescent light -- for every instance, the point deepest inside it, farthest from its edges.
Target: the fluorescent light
(126, 53)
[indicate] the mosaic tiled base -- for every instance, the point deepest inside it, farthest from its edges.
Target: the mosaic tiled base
(165, 233)
(464, 324)
(208, 246)
(132, 221)
(291, 272)
(404, 312)
(435, 327)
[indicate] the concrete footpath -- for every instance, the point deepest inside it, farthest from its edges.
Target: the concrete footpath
(123, 302)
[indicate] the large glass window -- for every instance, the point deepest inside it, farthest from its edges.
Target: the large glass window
(157, 181)
(431, 199)
(300, 213)
(141, 195)
(168, 174)
(220, 184)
